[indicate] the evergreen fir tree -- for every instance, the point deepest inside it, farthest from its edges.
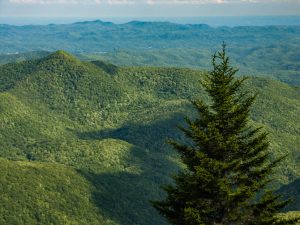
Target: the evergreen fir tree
(228, 166)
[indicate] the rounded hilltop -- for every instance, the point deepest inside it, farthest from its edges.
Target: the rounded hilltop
(60, 54)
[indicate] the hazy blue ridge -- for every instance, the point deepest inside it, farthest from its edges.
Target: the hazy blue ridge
(257, 50)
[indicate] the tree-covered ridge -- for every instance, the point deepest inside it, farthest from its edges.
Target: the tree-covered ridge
(101, 36)
(110, 124)
(266, 51)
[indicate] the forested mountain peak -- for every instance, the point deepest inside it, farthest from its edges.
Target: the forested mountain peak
(99, 22)
(61, 55)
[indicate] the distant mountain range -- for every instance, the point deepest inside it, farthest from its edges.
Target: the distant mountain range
(261, 51)
(214, 21)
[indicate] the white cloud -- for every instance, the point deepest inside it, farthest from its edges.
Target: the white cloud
(149, 2)
(192, 2)
(87, 2)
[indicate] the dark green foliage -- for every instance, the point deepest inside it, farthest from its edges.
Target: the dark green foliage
(291, 189)
(227, 162)
(107, 67)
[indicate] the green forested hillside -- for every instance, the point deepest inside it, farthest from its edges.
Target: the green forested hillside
(93, 136)
(38, 193)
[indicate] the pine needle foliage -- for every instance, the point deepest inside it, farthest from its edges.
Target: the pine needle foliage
(228, 164)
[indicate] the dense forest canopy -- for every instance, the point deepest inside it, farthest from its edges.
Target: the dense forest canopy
(93, 133)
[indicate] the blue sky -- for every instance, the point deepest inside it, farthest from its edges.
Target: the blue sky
(146, 8)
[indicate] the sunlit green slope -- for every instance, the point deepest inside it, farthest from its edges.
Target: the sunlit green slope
(106, 126)
(43, 193)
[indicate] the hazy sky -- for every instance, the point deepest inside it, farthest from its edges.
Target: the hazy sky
(146, 8)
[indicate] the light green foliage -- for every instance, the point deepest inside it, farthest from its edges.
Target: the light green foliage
(110, 124)
(290, 215)
(38, 193)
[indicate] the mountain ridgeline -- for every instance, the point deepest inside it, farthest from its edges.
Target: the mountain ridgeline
(266, 50)
(85, 142)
